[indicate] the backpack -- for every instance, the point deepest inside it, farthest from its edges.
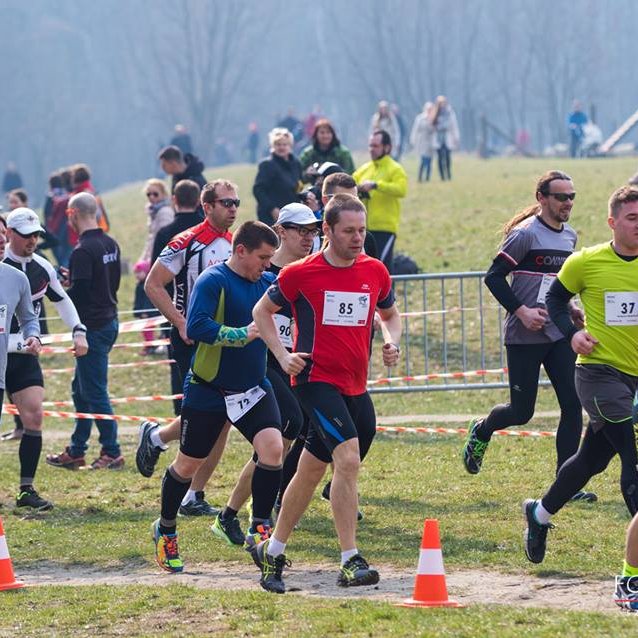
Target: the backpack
(404, 265)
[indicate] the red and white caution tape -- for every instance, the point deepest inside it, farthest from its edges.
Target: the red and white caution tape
(113, 401)
(11, 409)
(136, 325)
(437, 375)
(138, 344)
(134, 364)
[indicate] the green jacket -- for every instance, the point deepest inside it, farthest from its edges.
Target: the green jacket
(384, 207)
(337, 154)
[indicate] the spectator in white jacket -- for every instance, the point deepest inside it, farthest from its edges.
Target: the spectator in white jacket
(447, 135)
(422, 139)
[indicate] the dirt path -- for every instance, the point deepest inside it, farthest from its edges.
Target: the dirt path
(468, 587)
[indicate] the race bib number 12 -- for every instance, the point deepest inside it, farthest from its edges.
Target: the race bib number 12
(239, 404)
(345, 308)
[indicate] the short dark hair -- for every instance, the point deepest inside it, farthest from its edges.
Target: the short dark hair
(21, 194)
(339, 203)
(55, 180)
(67, 178)
(623, 195)
(337, 180)
(186, 194)
(171, 154)
(81, 173)
(252, 234)
(386, 140)
(209, 192)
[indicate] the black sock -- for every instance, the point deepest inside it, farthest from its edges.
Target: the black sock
(228, 513)
(265, 485)
(29, 454)
(174, 488)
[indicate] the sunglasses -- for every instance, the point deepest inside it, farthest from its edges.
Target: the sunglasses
(302, 230)
(228, 202)
(30, 235)
(152, 194)
(562, 197)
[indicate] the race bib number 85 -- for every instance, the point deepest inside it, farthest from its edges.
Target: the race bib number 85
(345, 308)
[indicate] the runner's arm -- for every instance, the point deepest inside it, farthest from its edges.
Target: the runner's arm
(155, 287)
(559, 308)
(496, 281)
(391, 327)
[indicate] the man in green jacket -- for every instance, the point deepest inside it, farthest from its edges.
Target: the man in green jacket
(382, 182)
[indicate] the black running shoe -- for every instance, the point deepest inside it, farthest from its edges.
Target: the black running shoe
(356, 572)
(535, 536)
(147, 454)
(474, 449)
(199, 507)
(271, 567)
(28, 497)
(228, 530)
(325, 494)
(584, 497)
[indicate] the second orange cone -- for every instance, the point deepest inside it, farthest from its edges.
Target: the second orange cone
(7, 577)
(430, 589)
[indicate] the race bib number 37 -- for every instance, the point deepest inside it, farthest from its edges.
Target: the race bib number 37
(621, 308)
(345, 308)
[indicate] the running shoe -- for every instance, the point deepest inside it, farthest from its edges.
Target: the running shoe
(626, 593)
(474, 449)
(585, 497)
(106, 462)
(28, 497)
(271, 568)
(166, 550)
(256, 535)
(64, 459)
(147, 454)
(12, 435)
(325, 494)
(356, 572)
(228, 530)
(199, 507)
(535, 536)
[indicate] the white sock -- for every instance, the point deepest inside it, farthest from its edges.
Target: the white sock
(275, 547)
(190, 496)
(541, 515)
(347, 555)
(156, 441)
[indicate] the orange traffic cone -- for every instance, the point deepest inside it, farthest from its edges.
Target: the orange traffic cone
(7, 577)
(430, 589)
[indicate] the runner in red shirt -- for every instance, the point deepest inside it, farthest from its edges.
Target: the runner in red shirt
(333, 295)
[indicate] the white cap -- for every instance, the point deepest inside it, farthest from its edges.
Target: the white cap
(24, 221)
(296, 214)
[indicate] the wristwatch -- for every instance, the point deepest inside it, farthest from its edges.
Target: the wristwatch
(397, 346)
(80, 327)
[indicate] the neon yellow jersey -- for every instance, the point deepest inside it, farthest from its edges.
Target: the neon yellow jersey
(608, 289)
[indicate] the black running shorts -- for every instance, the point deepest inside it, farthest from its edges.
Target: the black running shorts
(335, 418)
(23, 371)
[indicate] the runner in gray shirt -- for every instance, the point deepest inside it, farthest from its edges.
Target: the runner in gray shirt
(536, 243)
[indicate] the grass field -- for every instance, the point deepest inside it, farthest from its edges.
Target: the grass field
(101, 520)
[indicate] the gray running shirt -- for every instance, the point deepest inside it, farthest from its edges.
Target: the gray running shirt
(15, 299)
(536, 253)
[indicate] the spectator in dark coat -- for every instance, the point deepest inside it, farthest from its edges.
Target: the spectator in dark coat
(182, 139)
(11, 179)
(278, 178)
(181, 166)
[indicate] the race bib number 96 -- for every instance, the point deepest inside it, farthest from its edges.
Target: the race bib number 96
(345, 308)
(621, 308)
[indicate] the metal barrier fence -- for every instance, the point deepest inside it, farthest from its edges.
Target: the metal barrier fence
(452, 336)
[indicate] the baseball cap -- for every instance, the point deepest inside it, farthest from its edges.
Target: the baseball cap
(24, 221)
(329, 168)
(296, 214)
